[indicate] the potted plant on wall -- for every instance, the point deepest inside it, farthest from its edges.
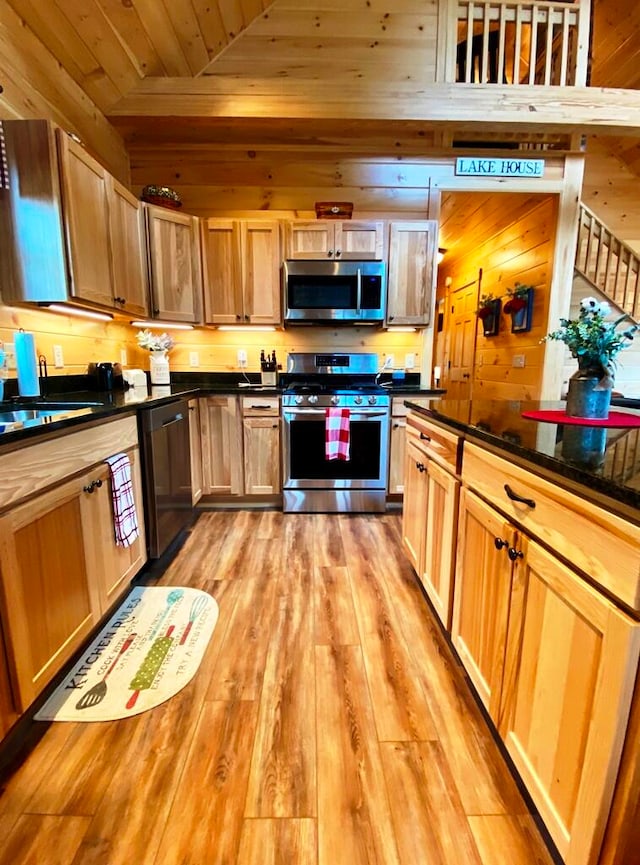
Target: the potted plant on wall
(519, 306)
(489, 314)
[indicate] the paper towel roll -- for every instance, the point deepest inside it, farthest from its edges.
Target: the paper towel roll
(27, 364)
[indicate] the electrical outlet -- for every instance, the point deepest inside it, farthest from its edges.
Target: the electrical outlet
(58, 357)
(10, 353)
(517, 361)
(409, 360)
(389, 362)
(123, 357)
(194, 358)
(242, 358)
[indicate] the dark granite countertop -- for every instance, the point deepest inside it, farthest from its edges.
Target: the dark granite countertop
(547, 446)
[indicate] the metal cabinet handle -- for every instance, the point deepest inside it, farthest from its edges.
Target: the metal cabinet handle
(425, 437)
(329, 253)
(500, 543)
(516, 498)
(420, 467)
(91, 487)
(515, 554)
(261, 407)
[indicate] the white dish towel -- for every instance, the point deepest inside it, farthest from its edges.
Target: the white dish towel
(125, 518)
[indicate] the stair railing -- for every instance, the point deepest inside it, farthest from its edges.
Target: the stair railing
(608, 263)
(623, 457)
(522, 43)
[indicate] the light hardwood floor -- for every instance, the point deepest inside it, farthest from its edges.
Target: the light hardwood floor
(329, 724)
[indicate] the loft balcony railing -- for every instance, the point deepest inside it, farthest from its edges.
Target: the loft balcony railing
(518, 43)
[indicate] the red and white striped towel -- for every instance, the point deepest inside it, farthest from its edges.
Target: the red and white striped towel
(125, 519)
(336, 435)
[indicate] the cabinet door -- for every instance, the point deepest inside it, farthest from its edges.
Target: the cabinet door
(397, 448)
(414, 509)
(8, 713)
(440, 540)
(195, 445)
(412, 271)
(174, 263)
(110, 567)
(261, 272)
(128, 248)
(221, 437)
(313, 239)
(481, 596)
(47, 609)
(572, 661)
(223, 269)
(359, 240)
(85, 188)
(261, 456)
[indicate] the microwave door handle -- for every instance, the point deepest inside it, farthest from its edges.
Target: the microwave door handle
(358, 291)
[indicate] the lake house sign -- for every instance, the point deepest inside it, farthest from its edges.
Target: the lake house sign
(502, 166)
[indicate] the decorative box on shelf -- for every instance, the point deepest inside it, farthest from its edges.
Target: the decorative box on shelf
(334, 209)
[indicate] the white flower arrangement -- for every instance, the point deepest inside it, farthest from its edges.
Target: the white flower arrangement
(154, 341)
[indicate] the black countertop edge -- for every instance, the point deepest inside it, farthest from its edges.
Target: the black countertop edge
(588, 480)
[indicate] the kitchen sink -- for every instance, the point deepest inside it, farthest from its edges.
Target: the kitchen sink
(22, 415)
(44, 405)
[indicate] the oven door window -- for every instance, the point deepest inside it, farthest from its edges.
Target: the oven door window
(307, 452)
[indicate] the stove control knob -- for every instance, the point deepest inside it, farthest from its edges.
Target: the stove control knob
(335, 400)
(299, 400)
(313, 399)
(373, 399)
(358, 400)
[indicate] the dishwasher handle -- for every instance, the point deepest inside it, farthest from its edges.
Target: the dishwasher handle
(175, 419)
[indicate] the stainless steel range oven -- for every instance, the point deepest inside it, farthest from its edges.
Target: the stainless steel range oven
(313, 483)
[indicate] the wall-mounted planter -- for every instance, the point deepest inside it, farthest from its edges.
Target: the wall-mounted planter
(489, 315)
(520, 308)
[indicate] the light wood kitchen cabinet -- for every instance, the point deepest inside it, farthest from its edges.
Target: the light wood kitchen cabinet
(261, 439)
(128, 251)
(397, 446)
(85, 193)
(412, 271)
(60, 567)
(221, 438)
(322, 239)
(242, 272)
(175, 270)
(8, 713)
(195, 449)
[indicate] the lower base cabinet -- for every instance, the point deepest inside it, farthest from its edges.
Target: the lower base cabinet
(221, 442)
(261, 440)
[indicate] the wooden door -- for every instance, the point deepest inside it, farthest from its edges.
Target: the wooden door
(313, 239)
(47, 610)
(262, 456)
(359, 240)
(414, 507)
(85, 190)
(397, 448)
(261, 272)
(221, 439)
(174, 262)
(128, 251)
(412, 271)
(458, 369)
(572, 661)
(440, 540)
(482, 595)
(223, 301)
(195, 447)
(110, 567)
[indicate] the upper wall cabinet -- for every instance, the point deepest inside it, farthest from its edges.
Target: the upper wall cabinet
(128, 251)
(412, 271)
(175, 273)
(242, 272)
(323, 239)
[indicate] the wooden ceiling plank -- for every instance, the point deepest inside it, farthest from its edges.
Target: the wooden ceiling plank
(187, 27)
(126, 23)
(346, 23)
(164, 39)
(86, 17)
(53, 29)
(231, 15)
(211, 26)
(379, 7)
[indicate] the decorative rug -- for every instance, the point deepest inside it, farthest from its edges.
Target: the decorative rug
(147, 652)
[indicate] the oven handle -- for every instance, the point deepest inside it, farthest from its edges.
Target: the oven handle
(297, 412)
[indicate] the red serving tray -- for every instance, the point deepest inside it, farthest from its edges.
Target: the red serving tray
(615, 419)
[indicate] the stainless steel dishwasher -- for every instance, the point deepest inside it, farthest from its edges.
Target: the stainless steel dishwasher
(166, 463)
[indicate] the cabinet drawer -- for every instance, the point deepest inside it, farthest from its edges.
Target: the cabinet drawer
(41, 465)
(258, 406)
(399, 409)
(438, 444)
(605, 547)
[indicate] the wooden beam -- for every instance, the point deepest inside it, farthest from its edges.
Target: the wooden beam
(491, 107)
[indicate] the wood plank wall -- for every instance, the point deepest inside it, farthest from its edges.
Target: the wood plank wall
(610, 189)
(511, 238)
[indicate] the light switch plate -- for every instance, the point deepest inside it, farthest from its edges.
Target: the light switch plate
(194, 358)
(409, 360)
(123, 356)
(58, 357)
(10, 352)
(517, 361)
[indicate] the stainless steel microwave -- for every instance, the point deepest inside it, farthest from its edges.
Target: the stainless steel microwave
(334, 292)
